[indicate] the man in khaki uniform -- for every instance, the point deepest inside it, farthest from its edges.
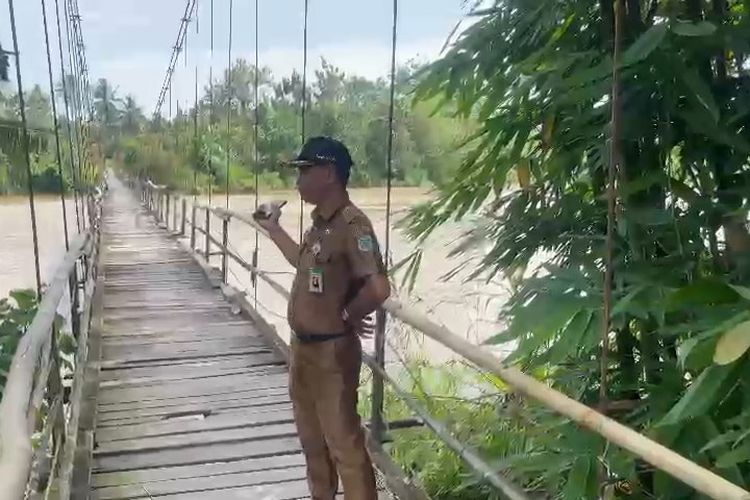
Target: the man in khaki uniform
(340, 280)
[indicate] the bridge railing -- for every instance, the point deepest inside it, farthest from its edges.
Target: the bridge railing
(158, 199)
(39, 411)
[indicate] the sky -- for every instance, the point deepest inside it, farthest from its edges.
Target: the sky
(129, 41)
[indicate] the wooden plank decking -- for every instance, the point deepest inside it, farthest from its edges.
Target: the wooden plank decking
(192, 399)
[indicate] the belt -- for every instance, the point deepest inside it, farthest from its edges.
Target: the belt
(306, 338)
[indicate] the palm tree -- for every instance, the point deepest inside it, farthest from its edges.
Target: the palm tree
(132, 116)
(242, 85)
(106, 104)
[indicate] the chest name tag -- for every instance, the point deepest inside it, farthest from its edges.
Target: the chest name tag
(316, 280)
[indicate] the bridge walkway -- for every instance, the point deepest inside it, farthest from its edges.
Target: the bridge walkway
(192, 399)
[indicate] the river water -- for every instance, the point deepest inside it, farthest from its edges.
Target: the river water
(468, 308)
(16, 249)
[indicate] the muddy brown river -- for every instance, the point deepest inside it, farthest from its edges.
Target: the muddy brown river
(468, 308)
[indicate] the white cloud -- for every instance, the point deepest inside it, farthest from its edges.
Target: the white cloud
(364, 59)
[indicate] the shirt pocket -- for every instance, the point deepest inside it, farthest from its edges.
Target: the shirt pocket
(328, 254)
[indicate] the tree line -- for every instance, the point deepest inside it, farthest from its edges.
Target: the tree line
(195, 149)
(79, 149)
(198, 147)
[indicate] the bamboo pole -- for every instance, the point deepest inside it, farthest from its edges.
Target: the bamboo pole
(15, 434)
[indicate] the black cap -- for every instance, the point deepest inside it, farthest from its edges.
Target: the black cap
(324, 150)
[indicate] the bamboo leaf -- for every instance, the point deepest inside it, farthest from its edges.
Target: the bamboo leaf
(578, 477)
(702, 28)
(700, 396)
(685, 349)
(741, 437)
(701, 92)
(733, 344)
(731, 458)
(743, 291)
(650, 216)
(622, 305)
(707, 291)
(570, 341)
(720, 440)
(645, 44)
(707, 426)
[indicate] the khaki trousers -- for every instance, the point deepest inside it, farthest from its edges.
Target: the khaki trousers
(324, 377)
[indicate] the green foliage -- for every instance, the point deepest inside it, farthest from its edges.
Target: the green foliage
(537, 77)
(44, 167)
(16, 313)
(353, 109)
(548, 456)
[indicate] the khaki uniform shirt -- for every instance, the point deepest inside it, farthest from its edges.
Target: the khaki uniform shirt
(338, 252)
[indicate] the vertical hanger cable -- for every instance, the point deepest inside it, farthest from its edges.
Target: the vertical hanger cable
(26, 149)
(56, 126)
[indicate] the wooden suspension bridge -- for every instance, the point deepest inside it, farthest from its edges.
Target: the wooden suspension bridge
(179, 388)
(177, 385)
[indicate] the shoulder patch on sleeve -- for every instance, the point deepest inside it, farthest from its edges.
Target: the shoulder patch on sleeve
(364, 243)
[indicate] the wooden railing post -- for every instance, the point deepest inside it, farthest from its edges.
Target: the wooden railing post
(74, 302)
(184, 214)
(208, 232)
(225, 248)
(166, 209)
(254, 273)
(377, 426)
(175, 214)
(192, 226)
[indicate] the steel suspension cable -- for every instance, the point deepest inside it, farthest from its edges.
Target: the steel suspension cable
(56, 125)
(256, 114)
(391, 133)
(378, 395)
(195, 110)
(67, 114)
(211, 106)
(78, 30)
(166, 86)
(229, 98)
(26, 148)
(76, 108)
(85, 97)
(75, 113)
(303, 109)
(77, 92)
